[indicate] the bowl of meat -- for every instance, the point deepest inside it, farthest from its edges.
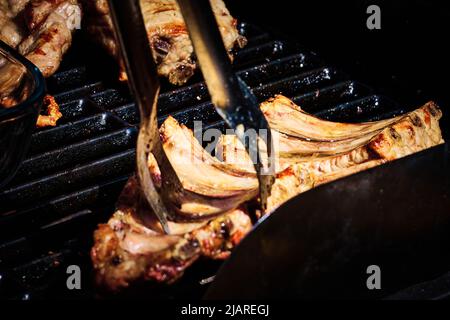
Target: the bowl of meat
(22, 90)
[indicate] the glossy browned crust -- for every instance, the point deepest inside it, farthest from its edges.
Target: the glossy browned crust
(120, 255)
(167, 34)
(51, 24)
(52, 113)
(11, 32)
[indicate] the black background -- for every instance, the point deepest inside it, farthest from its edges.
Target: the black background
(408, 58)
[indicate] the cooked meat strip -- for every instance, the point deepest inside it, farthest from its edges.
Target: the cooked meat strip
(11, 32)
(167, 34)
(14, 7)
(120, 255)
(52, 113)
(50, 25)
(38, 11)
(52, 32)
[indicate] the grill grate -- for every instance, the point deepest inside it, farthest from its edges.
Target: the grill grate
(75, 171)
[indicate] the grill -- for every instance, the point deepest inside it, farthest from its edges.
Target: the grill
(75, 171)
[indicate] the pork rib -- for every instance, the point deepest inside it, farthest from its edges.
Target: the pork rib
(126, 251)
(167, 34)
(300, 137)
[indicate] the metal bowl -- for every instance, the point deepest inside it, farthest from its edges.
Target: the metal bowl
(22, 89)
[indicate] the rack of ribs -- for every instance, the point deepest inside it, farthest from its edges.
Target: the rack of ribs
(167, 35)
(213, 215)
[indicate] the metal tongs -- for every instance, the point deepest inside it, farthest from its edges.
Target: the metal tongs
(144, 83)
(231, 97)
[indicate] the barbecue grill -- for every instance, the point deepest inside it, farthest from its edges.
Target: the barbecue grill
(75, 171)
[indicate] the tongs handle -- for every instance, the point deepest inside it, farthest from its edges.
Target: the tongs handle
(135, 49)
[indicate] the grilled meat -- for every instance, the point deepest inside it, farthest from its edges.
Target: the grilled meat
(125, 251)
(300, 137)
(47, 32)
(210, 186)
(310, 152)
(51, 24)
(13, 7)
(167, 34)
(318, 151)
(43, 37)
(52, 113)
(11, 32)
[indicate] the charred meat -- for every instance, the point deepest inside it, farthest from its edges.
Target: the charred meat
(41, 30)
(167, 35)
(125, 251)
(11, 32)
(52, 113)
(51, 24)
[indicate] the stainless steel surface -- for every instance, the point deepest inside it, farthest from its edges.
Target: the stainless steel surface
(231, 97)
